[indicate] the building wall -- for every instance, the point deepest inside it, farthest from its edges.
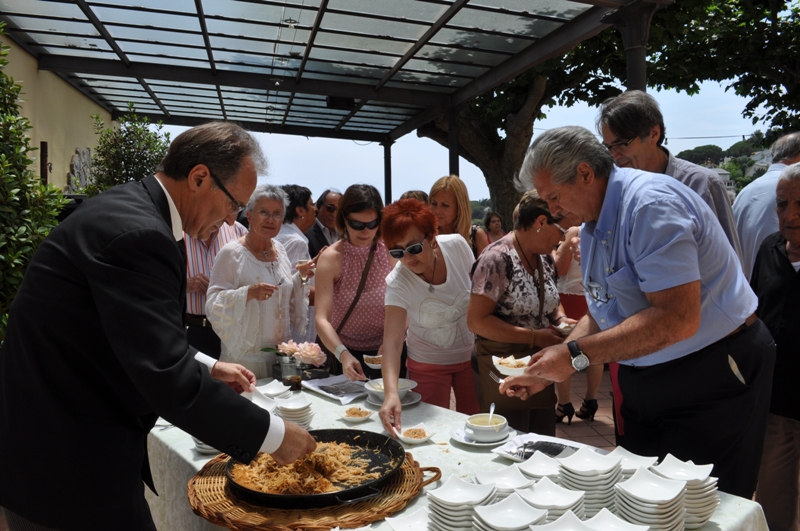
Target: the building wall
(59, 114)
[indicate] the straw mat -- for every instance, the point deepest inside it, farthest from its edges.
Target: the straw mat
(210, 499)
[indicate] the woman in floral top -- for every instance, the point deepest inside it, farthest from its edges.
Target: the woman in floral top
(513, 306)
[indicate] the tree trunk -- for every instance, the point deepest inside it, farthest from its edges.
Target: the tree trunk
(498, 158)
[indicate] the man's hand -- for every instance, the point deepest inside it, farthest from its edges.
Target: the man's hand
(236, 376)
(553, 364)
(297, 442)
(197, 284)
(523, 387)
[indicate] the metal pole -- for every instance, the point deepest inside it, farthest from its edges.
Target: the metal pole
(452, 137)
(387, 171)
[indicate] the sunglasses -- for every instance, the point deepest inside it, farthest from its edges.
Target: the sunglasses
(358, 225)
(329, 207)
(411, 249)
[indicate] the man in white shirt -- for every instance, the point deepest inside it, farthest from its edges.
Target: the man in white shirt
(754, 208)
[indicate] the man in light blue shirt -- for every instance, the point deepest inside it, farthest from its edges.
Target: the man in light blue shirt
(667, 300)
(754, 208)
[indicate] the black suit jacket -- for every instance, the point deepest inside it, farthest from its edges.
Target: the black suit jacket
(316, 240)
(95, 350)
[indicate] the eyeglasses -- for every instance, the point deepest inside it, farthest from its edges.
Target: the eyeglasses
(329, 207)
(596, 291)
(277, 215)
(559, 227)
(359, 225)
(616, 146)
(237, 206)
(411, 249)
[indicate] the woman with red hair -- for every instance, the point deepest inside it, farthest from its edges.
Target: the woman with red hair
(428, 293)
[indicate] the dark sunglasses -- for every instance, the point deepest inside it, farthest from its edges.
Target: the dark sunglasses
(358, 225)
(411, 249)
(329, 207)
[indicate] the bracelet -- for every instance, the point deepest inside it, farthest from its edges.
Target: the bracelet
(533, 338)
(338, 352)
(557, 319)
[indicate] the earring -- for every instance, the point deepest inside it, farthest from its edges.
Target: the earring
(539, 229)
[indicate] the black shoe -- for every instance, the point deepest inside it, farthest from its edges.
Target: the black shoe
(588, 409)
(565, 410)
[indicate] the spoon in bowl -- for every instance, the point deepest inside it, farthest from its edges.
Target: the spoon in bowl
(491, 412)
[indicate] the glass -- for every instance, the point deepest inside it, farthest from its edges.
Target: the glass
(411, 249)
(237, 206)
(290, 373)
(329, 207)
(303, 270)
(616, 146)
(596, 291)
(359, 225)
(277, 215)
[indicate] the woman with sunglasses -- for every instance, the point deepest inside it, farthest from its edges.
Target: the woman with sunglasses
(449, 201)
(255, 295)
(427, 293)
(514, 304)
(348, 335)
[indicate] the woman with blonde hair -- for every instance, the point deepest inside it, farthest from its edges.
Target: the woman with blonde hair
(449, 201)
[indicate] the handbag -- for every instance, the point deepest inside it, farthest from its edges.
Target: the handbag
(332, 364)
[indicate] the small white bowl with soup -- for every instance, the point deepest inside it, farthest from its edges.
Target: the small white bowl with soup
(479, 429)
(376, 387)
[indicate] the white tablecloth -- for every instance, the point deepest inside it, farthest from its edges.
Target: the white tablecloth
(174, 460)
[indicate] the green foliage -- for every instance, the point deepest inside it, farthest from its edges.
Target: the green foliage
(703, 154)
(128, 153)
(28, 209)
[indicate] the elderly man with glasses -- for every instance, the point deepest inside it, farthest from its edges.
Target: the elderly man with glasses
(633, 131)
(667, 300)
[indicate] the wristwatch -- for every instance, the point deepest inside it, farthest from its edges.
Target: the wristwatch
(579, 359)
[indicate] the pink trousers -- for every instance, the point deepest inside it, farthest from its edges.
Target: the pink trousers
(435, 381)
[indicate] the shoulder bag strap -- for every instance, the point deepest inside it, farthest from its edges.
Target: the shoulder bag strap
(540, 286)
(360, 287)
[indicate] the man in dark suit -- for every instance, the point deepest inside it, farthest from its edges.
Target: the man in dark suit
(324, 232)
(96, 346)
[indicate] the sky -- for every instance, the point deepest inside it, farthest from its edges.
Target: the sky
(321, 163)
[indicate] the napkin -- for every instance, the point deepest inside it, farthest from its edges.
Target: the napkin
(339, 384)
(508, 448)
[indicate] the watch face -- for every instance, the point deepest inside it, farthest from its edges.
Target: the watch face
(580, 362)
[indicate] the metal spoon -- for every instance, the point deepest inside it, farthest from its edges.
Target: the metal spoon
(491, 412)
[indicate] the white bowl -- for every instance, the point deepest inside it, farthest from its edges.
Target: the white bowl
(567, 522)
(457, 492)
(631, 461)
(511, 513)
(587, 462)
(506, 478)
(547, 495)
(375, 366)
(296, 403)
(274, 389)
(648, 487)
(565, 328)
(411, 440)
(410, 522)
(376, 387)
(673, 468)
(605, 520)
(356, 420)
(508, 371)
(539, 465)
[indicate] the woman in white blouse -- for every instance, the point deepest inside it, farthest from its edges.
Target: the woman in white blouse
(429, 290)
(255, 296)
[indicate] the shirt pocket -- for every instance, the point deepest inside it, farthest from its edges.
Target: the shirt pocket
(624, 292)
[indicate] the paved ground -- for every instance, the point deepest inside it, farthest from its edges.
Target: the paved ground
(600, 432)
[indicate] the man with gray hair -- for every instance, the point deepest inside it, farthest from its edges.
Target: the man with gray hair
(754, 208)
(656, 264)
(633, 131)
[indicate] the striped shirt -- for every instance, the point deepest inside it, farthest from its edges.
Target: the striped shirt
(200, 258)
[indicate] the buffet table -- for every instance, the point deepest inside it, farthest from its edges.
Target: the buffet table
(174, 460)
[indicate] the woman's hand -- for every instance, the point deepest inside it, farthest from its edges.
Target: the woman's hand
(308, 269)
(261, 291)
(390, 414)
(351, 367)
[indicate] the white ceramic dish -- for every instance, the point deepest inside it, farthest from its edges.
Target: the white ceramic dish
(447, 521)
(673, 468)
(375, 387)
(547, 495)
(509, 514)
(296, 403)
(260, 399)
(356, 420)
(507, 478)
(652, 488)
(274, 389)
(411, 440)
(565, 328)
(451, 513)
(539, 465)
(508, 371)
(631, 461)
(376, 366)
(605, 520)
(410, 522)
(460, 436)
(597, 481)
(589, 463)
(567, 522)
(410, 399)
(457, 492)
(203, 448)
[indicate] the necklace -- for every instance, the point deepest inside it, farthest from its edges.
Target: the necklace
(268, 255)
(522, 252)
(430, 282)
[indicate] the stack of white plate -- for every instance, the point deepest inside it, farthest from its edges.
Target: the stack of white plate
(296, 409)
(649, 499)
(538, 466)
(554, 499)
(276, 389)
(631, 462)
(511, 514)
(701, 498)
(592, 473)
(452, 506)
(603, 521)
(505, 480)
